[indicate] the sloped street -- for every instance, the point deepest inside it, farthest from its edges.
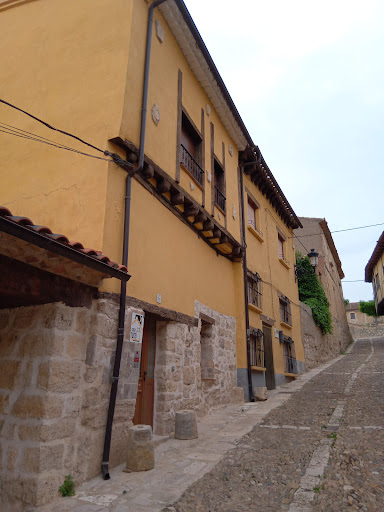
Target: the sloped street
(323, 450)
(316, 444)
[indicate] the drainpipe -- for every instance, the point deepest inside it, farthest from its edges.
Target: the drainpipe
(250, 387)
(123, 289)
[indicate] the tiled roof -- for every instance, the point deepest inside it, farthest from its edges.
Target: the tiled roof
(376, 255)
(43, 237)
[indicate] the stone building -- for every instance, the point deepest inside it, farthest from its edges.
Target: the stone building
(318, 348)
(170, 192)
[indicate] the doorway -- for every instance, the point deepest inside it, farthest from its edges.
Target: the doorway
(269, 366)
(145, 392)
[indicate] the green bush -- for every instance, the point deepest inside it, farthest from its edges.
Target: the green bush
(311, 293)
(368, 307)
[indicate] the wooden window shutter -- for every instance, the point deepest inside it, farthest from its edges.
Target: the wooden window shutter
(188, 142)
(251, 214)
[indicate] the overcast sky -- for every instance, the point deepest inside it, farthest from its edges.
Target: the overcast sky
(307, 78)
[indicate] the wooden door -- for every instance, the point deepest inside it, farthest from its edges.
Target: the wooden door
(270, 370)
(145, 392)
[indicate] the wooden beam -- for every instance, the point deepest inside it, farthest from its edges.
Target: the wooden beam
(177, 198)
(163, 186)
(148, 171)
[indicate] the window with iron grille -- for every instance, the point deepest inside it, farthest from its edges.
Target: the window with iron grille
(257, 348)
(290, 363)
(190, 150)
(285, 310)
(255, 289)
(219, 185)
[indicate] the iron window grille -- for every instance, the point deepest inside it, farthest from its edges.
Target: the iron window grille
(289, 355)
(285, 310)
(190, 164)
(257, 348)
(220, 199)
(255, 289)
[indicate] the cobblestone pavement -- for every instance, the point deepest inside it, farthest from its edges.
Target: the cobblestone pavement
(323, 450)
(317, 444)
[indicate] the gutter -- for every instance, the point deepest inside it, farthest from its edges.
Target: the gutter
(123, 289)
(249, 370)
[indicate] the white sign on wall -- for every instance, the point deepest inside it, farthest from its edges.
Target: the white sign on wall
(137, 327)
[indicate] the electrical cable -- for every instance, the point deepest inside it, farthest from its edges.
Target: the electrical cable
(50, 126)
(55, 145)
(115, 157)
(340, 230)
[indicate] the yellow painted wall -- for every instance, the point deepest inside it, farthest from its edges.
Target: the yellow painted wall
(82, 70)
(161, 140)
(379, 269)
(263, 258)
(65, 62)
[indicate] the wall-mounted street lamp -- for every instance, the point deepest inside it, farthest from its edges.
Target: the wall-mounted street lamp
(313, 258)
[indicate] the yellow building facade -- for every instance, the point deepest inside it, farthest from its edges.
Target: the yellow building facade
(203, 201)
(374, 273)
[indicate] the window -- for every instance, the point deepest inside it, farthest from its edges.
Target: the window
(353, 316)
(190, 151)
(289, 355)
(255, 292)
(281, 246)
(219, 185)
(207, 354)
(285, 310)
(257, 348)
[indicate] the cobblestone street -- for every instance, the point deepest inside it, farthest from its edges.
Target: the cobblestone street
(317, 444)
(323, 450)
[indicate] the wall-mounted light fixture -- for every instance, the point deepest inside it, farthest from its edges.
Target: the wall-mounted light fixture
(313, 258)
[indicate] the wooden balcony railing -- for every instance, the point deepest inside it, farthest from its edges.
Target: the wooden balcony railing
(187, 160)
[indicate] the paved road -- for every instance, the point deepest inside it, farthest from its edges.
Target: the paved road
(323, 450)
(317, 444)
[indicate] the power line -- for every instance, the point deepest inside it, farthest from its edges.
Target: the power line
(340, 230)
(115, 157)
(55, 145)
(355, 281)
(50, 126)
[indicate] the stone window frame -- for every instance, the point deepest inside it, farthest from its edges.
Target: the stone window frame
(207, 354)
(352, 317)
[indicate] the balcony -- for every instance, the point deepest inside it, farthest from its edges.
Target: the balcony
(190, 164)
(220, 199)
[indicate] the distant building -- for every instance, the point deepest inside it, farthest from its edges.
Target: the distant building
(316, 235)
(374, 273)
(356, 317)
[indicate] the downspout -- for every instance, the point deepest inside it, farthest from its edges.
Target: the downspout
(249, 371)
(123, 289)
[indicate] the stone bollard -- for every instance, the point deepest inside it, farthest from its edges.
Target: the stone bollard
(261, 394)
(185, 425)
(140, 452)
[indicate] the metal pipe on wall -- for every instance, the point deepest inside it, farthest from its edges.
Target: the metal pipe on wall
(123, 289)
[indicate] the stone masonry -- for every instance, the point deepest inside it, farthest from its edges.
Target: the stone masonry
(195, 367)
(319, 348)
(55, 376)
(55, 369)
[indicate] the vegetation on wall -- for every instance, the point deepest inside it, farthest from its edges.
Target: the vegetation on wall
(311, 293)
(346, 302)
(368, 307)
